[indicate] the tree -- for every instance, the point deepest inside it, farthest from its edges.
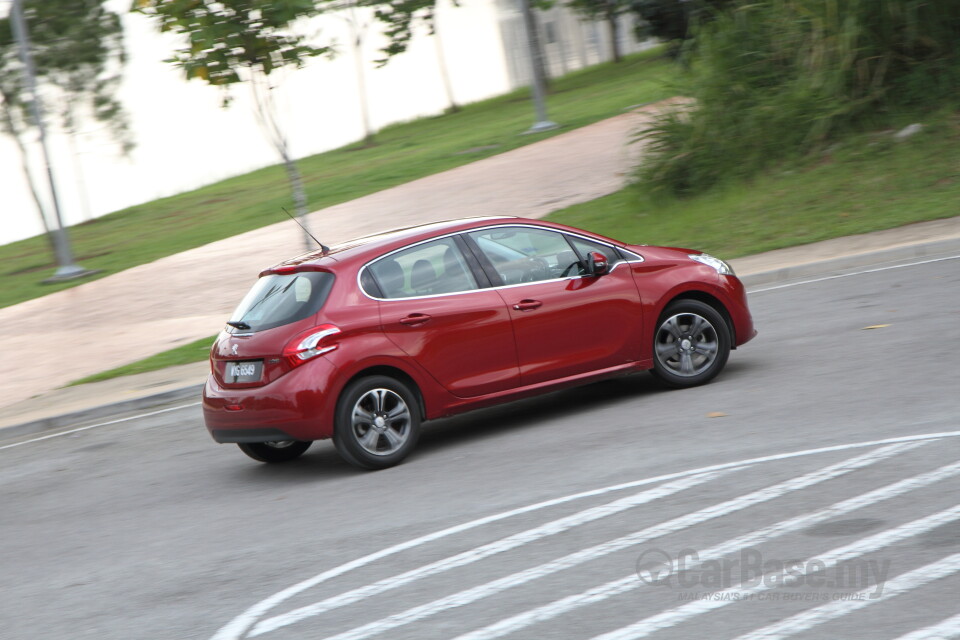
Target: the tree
(609, 10)
(399, 18)
(673, 20)
(77, 49)
(242, 41)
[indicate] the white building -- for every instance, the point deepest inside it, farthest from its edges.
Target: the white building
(185, 139)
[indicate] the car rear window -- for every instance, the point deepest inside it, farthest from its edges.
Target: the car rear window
(276, 300)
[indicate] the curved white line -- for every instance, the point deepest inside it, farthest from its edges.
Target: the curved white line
(493, 587)
(671, 618)
(101, 424)
(943, 630)
(901, 584)
(476, 554)
(239, 626)
(754, 538)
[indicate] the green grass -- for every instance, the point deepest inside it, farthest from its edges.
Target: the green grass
(402, 153)
(866, 183)
(184, 354)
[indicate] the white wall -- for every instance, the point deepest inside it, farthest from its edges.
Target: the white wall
(184, 139)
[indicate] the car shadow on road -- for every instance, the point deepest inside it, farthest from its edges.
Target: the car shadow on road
(319, 463)
(322, 463)
(529, 413)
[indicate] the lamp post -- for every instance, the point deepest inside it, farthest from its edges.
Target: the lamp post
(542, 123)
(67, 269)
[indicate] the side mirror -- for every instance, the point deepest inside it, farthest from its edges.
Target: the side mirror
(597, 264)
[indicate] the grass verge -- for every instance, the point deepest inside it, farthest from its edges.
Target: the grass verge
(402, 153)
(865, 183)
(197, 351)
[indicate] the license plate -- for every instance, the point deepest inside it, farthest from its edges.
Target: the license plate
(244, 371)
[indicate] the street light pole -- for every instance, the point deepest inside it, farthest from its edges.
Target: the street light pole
(538, 81)
(66, 269)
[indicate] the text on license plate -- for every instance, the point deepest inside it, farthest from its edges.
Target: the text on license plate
(243, 371)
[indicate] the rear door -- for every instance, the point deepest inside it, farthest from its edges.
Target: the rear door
(434, 309)
(566, 323)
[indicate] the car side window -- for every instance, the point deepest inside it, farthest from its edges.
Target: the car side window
(585, 246)
(521, 254)
(426, 269)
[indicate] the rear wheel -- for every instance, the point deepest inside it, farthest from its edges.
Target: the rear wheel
(691, 344)
(277, 451)
(377, 422)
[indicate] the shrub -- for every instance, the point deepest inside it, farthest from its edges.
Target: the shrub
(774, 78)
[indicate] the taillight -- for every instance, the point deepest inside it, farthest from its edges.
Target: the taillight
(310, 344)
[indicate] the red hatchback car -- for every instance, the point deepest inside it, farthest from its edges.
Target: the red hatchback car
(364, 340)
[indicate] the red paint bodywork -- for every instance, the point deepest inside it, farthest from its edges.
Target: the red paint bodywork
(475, 349)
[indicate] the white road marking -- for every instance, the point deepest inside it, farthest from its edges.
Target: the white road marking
(479, 553)
(825, 613)
(945, 630)
(629, 582)
(101, 424)
(847, 275)
(238, 626)
(727, 507)
(673, 617)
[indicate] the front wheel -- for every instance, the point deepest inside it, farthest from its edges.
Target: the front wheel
(377, 422)
(691, 344)
(278, 451)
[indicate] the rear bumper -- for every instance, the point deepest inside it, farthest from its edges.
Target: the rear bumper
(293, 407)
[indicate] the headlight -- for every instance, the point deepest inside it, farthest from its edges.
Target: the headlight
(722, 267)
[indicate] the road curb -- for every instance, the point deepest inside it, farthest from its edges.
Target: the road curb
(879, 258)
(106, 411)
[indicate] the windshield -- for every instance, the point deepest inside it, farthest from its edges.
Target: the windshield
(276, 300)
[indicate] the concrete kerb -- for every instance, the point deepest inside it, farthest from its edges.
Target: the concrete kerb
(890, 256)
(103, 412)
(191, 389)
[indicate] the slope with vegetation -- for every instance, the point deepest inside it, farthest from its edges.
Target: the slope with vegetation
(403, 152)
(789, 136)
(779, 79)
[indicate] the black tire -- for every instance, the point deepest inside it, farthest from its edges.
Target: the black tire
(273, 452)
(377, 422)
(691, 344)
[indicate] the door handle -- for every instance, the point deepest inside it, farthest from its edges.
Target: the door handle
(527, 305)
(414, 319)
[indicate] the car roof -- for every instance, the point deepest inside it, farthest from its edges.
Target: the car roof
(366, 248)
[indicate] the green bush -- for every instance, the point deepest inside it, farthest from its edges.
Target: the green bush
(775, 78)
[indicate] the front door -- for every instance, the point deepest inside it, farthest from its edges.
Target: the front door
(566, 322)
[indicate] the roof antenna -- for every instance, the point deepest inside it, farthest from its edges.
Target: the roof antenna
(324, 248)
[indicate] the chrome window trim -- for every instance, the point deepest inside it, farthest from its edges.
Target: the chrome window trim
(638, 260)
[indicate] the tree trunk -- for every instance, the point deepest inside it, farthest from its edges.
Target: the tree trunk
(357, 35)
(299, 196)
(444, 73)
(28, 176)
(267, 117)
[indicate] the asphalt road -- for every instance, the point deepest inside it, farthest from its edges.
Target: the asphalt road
(802, 490)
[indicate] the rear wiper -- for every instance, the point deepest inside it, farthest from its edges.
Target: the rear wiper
(239, 324)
